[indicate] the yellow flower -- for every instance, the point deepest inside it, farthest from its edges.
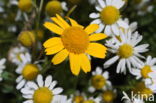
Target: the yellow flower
(27, 38)
(53, 7)
(25, 5)
(75, 42)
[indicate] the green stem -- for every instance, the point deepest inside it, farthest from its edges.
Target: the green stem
(71, 10)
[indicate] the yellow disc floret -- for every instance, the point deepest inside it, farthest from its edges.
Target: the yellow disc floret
(30, 71)
(125, 51)
(109, 15)
(145, 70)
(108, 96)
(88, 101)
(98, 81)
(25, 5)
(43, 95)
(78, 99)
(27, 38)
(53, 7)
(75, 40)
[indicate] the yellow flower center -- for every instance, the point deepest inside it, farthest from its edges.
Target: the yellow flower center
(43, 95)
(78, 99)
(125, 51)
(108, 96)
(27, 38)
(110, 14)
(98, 81)
(142, 90)
(53, 7)
(25, 5)
(30, 71)
(145, 70)
(75, 40)
(89, 101)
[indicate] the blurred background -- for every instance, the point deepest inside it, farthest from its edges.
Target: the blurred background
(13, 21)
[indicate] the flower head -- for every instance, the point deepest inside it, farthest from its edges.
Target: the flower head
(75, 42)
(126, 50)
(42, 92)
(109, 16)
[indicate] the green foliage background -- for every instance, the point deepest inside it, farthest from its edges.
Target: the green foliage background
(8, 92)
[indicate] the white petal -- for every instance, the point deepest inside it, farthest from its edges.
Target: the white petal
(32, 85)
(40, 80)
(108, 30)
(57, 91)
(48, 81)
(121, 23)
(52, 85)
(111, 61)
(21, 84)
(28, 101)
(94, 15)
(102, 3)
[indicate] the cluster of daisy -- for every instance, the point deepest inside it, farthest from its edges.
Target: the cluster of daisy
(77, 45)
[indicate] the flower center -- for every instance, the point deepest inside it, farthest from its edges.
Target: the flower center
(145, 70)
(30, 71)
(19, 57)
(43, 95)
(89, 101)
(108, 96)
(78, 99)
(109, 15)
(75, 40)
(53, 7)
(125, 51)
(25, 5)
(98, 81)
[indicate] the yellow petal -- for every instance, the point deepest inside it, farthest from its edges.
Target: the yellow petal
(85, 63)
(97, 50)
(91, 28)
(74, 63)
(60, 57)
(52, 42)
(74, 23)
(58, 22)
(53, 27)
(54, 49)
(66, 25)
(96, 37)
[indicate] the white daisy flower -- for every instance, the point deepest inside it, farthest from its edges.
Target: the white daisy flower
(78, 97)
(42, 91)
(2, 67)
(144, 69)
(109, 94)
(28, 71)
(99, 80)
(108, 17)
(15, 52)
(61, 99)
(129, 100)
(127, 51)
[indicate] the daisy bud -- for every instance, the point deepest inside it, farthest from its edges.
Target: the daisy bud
(25, 5)
(53, 7)
(27, 38)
